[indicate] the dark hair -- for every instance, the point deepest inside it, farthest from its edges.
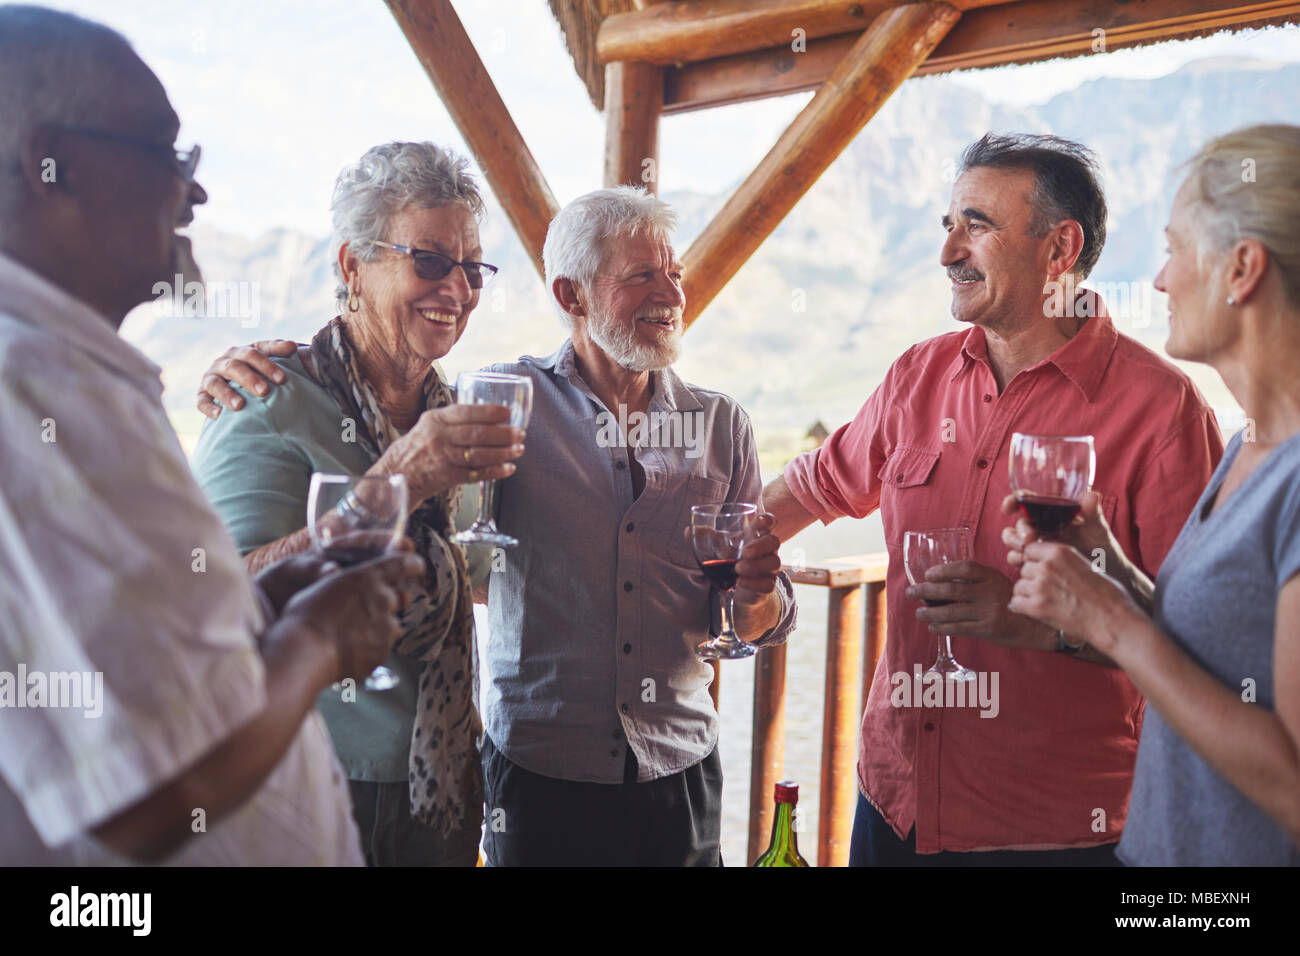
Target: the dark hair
(1065, 184)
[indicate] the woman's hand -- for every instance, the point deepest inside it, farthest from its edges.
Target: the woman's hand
(1088, 533)
(245, 365)
(1060, 587)
(453, 445)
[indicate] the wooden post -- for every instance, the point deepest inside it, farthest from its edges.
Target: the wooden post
(444, 50)
(634, 98)
(898, 41)
(876, 627)
(840, 715)
(767, 751)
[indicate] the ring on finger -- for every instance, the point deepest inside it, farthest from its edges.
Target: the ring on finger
(466, 453)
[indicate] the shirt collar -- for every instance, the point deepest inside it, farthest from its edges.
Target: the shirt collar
(668, 391)
(1083, 359)
(33, 299)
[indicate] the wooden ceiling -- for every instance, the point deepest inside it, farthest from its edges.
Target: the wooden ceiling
(717, 52)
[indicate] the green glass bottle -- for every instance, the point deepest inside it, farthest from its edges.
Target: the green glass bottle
(784, 848)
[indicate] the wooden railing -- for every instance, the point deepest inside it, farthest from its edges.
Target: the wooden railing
(856, 610)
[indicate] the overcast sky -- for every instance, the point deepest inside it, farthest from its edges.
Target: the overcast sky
(283, 93)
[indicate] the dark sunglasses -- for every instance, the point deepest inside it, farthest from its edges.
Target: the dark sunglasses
(434, 265)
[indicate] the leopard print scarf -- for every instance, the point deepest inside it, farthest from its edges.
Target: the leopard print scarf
(438, 627)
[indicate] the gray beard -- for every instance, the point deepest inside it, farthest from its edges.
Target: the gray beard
(619, 343)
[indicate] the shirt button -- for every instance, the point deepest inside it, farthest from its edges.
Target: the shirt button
(614, 752)
(627, 648)
(630, 526)
(982, 463)
(988, 398)
(626, 709)
(627, 585)
(929, 726)
(899, 478)
(620, 465)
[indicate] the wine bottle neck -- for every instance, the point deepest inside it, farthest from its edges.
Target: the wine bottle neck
(783, 836)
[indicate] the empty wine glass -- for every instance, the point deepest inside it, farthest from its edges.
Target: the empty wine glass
(923, 550)
(515, 392)
(718, 534)
(1050, 474)
(353, 518)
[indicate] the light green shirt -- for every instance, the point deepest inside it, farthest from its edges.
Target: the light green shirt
(255, 466)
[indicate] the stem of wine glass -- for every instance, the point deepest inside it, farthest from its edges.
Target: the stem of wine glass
(945, 648)
(485, 491)
(728, 611)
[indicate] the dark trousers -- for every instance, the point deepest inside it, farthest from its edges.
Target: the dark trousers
(534, 820)
(391, 837)
(876, 844)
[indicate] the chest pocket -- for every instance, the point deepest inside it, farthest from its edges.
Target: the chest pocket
(699, 491)
(907, 467)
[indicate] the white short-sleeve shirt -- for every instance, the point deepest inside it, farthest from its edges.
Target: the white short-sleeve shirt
(127, 621)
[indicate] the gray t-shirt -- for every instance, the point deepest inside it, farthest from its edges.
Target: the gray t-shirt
(1216, 596)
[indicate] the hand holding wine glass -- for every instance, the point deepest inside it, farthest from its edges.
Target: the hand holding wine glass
(923, 550)
(718, 535)
(515, 392)
(353, 519)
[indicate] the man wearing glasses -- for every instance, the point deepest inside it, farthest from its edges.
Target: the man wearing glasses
(153, 705)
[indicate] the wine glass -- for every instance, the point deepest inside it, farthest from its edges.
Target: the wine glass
(923, 550)
(353, 518)
(493, 388)
(1050, 474)
(718, 535)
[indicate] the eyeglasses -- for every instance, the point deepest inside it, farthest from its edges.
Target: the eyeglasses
(183, 162)
(434, 265)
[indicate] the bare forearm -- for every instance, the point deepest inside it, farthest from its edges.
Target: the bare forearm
(1246, 743)
(297, 667)
(257, 561)
(780, 502)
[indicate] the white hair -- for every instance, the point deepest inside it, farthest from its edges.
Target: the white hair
(576, 241)
(388, 179)
(54, 69)
(1246, 185)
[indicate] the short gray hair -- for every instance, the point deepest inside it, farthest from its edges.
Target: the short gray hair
(53, 68)
(576, 240)
(388, 179)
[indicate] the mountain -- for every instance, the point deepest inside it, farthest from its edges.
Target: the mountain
(841, 288)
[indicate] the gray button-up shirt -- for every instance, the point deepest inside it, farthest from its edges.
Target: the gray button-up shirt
(595, 616)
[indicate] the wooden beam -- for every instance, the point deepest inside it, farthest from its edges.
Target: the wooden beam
(1014, 33)
(686, 32)
(878, 63)
(444, 50)
(634, 96)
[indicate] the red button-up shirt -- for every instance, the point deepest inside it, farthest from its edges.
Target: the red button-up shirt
(1052, 763)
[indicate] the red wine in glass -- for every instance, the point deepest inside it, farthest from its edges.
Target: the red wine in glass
(721, 572)
(1049, 516)
(1050, 474)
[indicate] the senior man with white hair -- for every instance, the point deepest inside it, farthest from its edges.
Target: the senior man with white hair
(601, 744)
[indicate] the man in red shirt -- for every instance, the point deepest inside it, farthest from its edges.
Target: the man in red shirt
(1041, 774)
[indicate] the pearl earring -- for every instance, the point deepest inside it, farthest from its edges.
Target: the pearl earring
(1231, 301)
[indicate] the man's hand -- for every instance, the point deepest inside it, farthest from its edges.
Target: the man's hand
(245, 365)
(282, 580)
(980, 595)
(354, 611)
(759, 562)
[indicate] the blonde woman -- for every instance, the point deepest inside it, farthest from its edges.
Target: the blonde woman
(1214, 644)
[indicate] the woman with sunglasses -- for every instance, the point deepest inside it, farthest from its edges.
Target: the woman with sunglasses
(366, 398)
(1214, 645)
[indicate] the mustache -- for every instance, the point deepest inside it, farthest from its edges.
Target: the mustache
(962, 274)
